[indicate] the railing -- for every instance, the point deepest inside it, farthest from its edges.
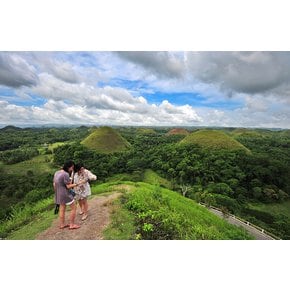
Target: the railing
(243, 221)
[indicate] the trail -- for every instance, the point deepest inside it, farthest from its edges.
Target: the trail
(91, 229)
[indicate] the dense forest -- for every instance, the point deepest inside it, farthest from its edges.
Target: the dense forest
(246, 176)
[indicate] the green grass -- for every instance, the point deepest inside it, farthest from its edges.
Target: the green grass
(163, 214)
(106, 140)
(29, 231)
(152, 177)
(55, 145)
(274, 208)
(38, 165)
(212, 139)
(122, 224)
(30, 216)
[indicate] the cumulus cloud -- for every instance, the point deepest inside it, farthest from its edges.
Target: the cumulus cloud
(47, 62)
(162, 64)
(244, 72)
(15, 71)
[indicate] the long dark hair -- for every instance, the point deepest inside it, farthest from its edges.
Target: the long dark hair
(67, 165)
(79, 166)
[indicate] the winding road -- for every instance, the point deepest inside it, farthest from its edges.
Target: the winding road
(258, 234)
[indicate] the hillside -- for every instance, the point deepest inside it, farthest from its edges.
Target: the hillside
(106, 140)
(213, 139)
(143, 212)
(177, 131)
(146, 131)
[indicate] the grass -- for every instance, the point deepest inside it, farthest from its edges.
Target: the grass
(39, 164)
(17, 225)
(106, 140)
(29, 231)
(213, 139)
(274, 208)
(122, 224)
(163, 214)
(55, 145)
(152, 177)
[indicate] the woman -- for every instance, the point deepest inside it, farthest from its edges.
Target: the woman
(61, 184)
(83, 176)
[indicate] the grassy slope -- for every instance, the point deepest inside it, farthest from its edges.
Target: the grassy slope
(213, 139)
(38, 164)
(106, 140)
(274, 208)
(181, 217)
(153, 178)
(163, 214)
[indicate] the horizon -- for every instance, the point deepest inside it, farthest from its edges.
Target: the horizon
(145, 88)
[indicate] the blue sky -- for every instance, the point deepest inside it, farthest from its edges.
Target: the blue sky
(152, 88)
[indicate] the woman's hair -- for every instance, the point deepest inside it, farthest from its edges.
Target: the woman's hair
(79, 166)
(67, 165)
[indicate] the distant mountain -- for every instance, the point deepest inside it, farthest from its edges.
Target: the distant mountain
(213, 139)
(177, 131)
(11, 128)
(106, 140)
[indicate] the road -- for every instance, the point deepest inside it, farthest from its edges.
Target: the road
(258, 234)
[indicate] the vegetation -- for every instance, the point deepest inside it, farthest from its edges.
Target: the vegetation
(105, 140)
(163, 214)
(213, 139)
(207, 165)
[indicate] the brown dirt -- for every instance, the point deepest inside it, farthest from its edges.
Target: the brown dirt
(91, 229)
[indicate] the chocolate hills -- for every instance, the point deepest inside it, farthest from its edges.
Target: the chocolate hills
(177, 131)
(106, 140)
(213, 139)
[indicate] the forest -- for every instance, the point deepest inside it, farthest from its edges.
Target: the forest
(248, 175)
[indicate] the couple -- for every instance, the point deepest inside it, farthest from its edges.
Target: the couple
(79, 182)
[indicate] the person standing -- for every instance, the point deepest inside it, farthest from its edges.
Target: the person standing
(83, 176)
(61, 184)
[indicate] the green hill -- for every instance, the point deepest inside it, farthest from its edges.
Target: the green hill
(213, 139)
(155, 213)
(106, 140)
(177, 131)
(241, 132)
(146, 131)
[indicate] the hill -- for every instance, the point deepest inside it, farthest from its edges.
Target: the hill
(106, 140)
(144, 212)
(178, 131)
(213, 139)
(11, 128)
(146, 131)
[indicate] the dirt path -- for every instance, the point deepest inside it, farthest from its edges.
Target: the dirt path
(91, 229)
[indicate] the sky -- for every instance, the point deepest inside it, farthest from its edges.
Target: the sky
(145, 88)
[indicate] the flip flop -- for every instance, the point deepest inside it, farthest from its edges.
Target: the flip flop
(65, 226)
(80, 213)
(74, 227)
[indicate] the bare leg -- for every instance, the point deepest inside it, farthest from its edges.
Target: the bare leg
(81, 204)
(62, 208)
(85, 207)
(72, 214)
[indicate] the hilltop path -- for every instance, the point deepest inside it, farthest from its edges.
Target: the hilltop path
(91, 229)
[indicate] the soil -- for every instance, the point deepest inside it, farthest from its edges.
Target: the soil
(91, 229)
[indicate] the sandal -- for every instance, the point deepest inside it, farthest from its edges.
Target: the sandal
(84, 217)
(62, 227)
(74, 227)
(80, 213)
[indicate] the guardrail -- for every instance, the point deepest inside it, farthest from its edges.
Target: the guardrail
(242, 220)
